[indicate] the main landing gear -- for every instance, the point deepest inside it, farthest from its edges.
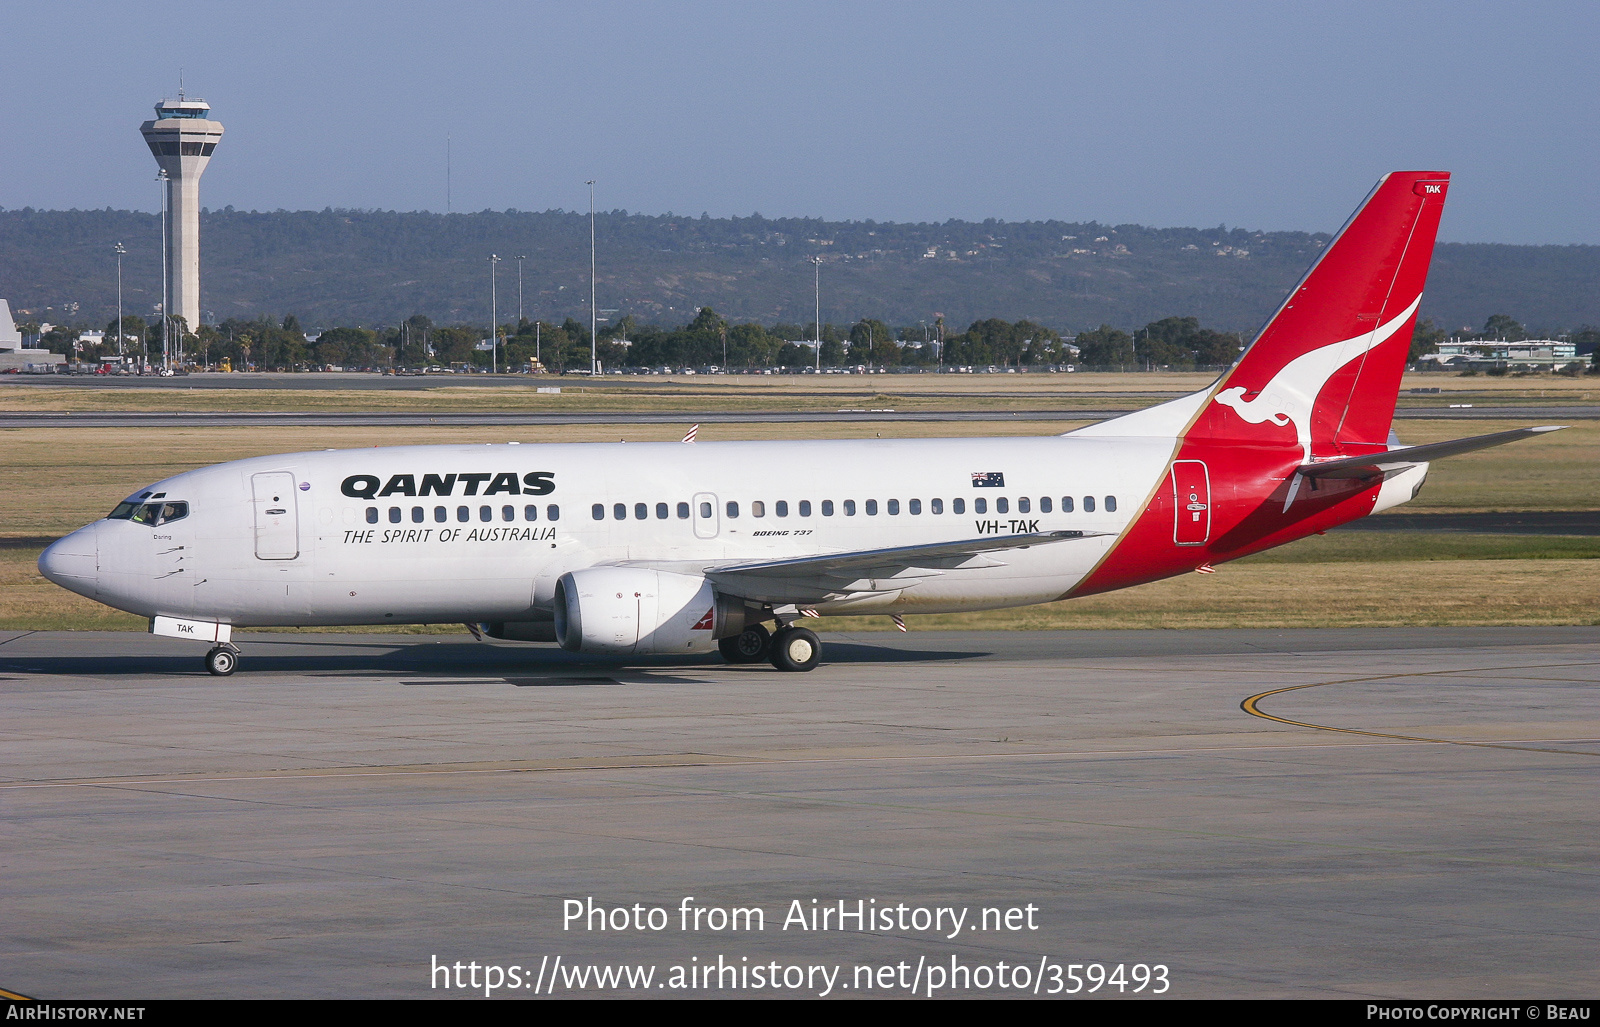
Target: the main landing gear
(796, 648)
(749, 646)
(223, 660)
(790, 648)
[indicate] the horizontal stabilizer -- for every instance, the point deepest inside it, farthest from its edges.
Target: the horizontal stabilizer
(1395, 459)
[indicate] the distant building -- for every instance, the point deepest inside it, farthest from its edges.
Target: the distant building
(13, 354)
(1528, 355)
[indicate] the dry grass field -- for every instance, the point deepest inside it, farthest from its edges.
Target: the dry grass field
(733, 393)
(54, 480)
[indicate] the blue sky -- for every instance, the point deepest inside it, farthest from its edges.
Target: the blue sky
(1264, 115)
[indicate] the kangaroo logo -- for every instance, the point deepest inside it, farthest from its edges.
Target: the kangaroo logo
(1292, 392)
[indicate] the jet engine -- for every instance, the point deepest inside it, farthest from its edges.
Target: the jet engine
(640, 611)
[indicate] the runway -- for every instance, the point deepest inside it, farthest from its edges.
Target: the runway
(346, 808)
(259, 419)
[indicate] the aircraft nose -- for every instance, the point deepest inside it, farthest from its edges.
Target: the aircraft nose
(73, 562)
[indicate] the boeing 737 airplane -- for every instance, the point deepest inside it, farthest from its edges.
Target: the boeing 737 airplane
(684, 548)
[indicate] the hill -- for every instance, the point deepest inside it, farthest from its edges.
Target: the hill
(370, 268)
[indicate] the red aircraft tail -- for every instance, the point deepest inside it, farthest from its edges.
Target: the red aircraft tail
(1325, 372)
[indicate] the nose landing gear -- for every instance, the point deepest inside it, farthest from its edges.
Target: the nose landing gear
(223, 660)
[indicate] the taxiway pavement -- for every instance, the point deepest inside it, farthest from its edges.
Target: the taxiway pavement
(347, 808)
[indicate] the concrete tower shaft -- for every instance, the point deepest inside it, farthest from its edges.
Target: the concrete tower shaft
(182, 138)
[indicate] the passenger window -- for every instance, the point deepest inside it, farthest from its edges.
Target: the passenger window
(485, 513)
(1111, 504)
(394, 515)
(599, 511)
(440, 514)
(1002, 505)
(805, 508)
(935, 506)
(1066, 504)
(372, 515)
(463, 514)
(552, 512)
(641, 511)
(916, 506)
(619, 511)
(980, 506)
(530, 512)
(661, 511)
(781, 508)
(1044, 504)
(958, 506)
(894, 508)
(705, 511)
(417, 514)
(1023, 506)
(849, 508)
(872, 508)
(1088, 504)
(733, 508)
(827, 508)
(758, 509)
(508, 513)
(683, 511)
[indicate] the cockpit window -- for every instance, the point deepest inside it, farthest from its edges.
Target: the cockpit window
(150, 513)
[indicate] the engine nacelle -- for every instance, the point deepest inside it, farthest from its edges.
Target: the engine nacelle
(640, 611)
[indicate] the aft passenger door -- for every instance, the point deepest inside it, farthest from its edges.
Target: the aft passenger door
(277, 516)
(1191, 503)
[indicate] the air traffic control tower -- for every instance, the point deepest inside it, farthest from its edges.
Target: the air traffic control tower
(182, 139)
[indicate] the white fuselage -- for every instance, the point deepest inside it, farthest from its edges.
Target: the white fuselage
(282, 540)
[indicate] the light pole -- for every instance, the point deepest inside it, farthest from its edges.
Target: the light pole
(161, 178)
(120, 252)
(816, 285)
(594, 360)
(494, 320)
(520, 259)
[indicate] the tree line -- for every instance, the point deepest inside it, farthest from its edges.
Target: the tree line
(267, 343)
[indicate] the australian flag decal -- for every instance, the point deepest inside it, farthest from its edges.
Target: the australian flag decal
(988, 480)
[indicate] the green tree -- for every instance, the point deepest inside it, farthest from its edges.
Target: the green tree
(1216, 349)
(1106, 347)
(1425, 338)
(793, 355)
(454, 345)
(750, 345)
(1504, 327)
(1166, 343)
(867, 343)
(346, 347)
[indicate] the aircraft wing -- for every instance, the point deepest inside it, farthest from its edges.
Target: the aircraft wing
(1376, 464)
(816, 579)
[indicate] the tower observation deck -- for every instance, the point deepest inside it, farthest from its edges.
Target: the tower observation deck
(182, 138)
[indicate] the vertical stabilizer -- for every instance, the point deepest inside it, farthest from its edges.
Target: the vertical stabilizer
(1324, 373)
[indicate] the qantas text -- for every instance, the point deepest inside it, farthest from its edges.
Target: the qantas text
(368, 486)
